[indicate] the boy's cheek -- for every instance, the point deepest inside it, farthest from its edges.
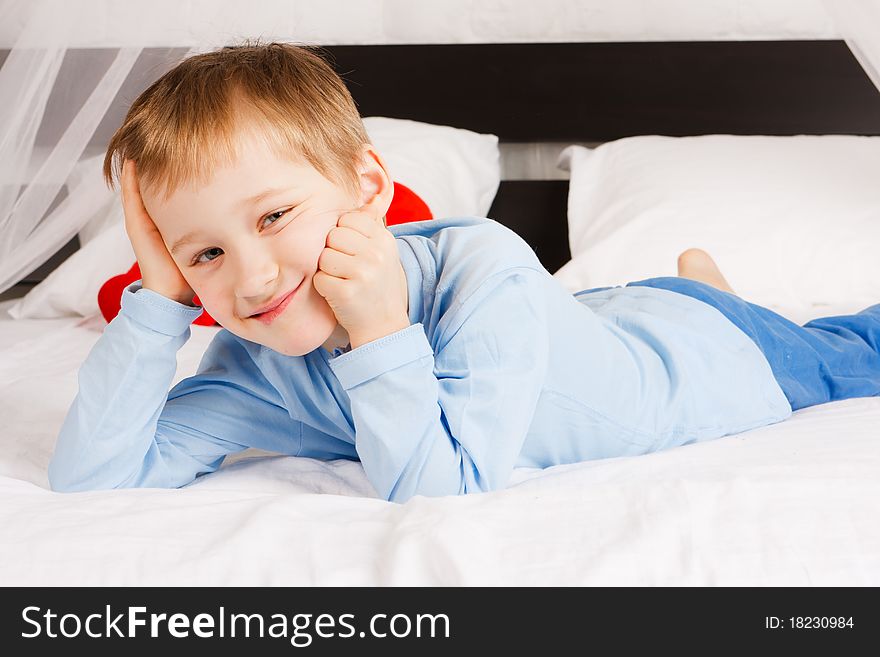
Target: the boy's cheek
(206, 298)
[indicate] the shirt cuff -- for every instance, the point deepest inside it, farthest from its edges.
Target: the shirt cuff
(156, 312)
(380, 356)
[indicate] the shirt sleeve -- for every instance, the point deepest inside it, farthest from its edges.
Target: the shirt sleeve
(125, 429)
(451, 419)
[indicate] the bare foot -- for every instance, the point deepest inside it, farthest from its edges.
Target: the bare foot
(698, 265)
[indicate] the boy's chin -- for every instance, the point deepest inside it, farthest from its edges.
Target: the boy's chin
(295, 347)
(300, 344)
(287, 351)
(290, 337)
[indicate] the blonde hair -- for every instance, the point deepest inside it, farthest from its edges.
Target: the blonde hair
(185, 124)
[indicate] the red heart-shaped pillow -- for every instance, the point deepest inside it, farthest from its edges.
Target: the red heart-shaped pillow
(110, 296)
(405, 206)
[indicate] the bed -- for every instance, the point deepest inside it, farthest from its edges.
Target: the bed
(789, 504)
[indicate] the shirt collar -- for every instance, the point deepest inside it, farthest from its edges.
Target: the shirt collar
(414, 278)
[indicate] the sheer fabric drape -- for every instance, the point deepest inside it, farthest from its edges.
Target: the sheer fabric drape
(48, 189)
(42, 137)
(858, 23)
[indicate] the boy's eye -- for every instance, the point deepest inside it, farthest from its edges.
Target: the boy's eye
(275, 215)
(198, 259)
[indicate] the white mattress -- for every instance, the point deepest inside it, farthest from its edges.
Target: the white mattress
(797, 503)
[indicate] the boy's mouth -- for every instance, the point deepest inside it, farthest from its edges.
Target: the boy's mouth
(273, 309)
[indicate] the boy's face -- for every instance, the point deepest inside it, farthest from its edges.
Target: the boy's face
(245, 254)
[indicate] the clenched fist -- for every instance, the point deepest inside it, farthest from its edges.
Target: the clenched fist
(361, 277)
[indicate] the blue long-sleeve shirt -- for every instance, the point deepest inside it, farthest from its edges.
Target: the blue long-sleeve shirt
(501, 367)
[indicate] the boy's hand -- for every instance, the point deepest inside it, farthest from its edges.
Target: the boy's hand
(360, 276)
(159, 272)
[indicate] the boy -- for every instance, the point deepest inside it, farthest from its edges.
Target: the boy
(441, 354)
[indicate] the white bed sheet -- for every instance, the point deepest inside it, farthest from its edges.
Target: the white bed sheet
(797, 503)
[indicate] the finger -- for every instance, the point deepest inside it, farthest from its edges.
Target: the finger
(132, 202)
(125, 179)
(129, 180)
(347, 240)
(324, 283)
(361, 221)
(337, 263)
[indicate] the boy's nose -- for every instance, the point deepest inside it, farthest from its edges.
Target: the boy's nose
(257, 280)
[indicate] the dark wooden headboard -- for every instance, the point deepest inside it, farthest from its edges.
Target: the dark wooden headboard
(595, 92)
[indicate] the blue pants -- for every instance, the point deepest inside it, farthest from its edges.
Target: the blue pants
(824, 360)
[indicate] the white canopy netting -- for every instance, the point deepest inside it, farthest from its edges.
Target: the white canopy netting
(57, 93)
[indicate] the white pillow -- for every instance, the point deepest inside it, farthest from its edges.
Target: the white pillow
(72, 288)
(793, 222)
(456, 172)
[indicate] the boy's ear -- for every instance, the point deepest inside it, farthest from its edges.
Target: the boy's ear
(376, 186)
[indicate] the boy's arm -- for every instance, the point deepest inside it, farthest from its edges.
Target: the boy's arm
(455, 421)
(125, 429)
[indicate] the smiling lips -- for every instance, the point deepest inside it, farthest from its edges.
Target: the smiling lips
(268, 316)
